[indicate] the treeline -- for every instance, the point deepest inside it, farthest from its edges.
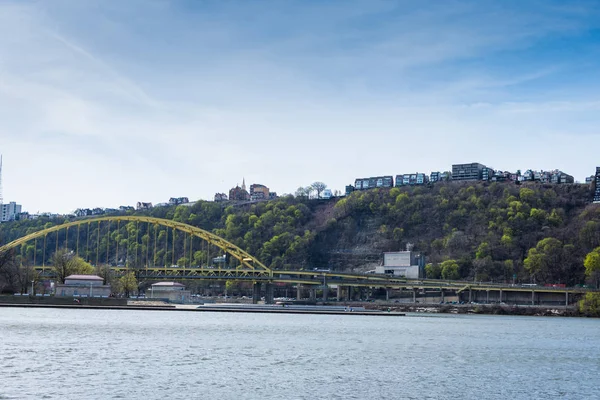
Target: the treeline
(486, 232)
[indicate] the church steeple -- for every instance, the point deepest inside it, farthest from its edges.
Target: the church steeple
(243, 183)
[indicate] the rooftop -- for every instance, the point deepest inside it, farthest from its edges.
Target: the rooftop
(168, 284)
(85, 277)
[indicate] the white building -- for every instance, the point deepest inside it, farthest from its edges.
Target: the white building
(10, 211)
(407, 264)
(83, 286)
(172, 291)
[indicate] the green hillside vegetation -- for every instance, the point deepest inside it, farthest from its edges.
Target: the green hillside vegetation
(484, 232)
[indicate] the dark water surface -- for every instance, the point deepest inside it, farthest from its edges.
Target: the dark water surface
(89, 354)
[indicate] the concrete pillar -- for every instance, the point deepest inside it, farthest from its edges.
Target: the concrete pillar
(470, 295)
(442, 295)
(312, 294)
(255, 292)
(414, 295)
(500, 296)
(349, 294)
(269, 288)
(533, 297)
(566, 298)
(325, 292)
(387, 294)
(487, 296)
(339, 292)
(299, 292)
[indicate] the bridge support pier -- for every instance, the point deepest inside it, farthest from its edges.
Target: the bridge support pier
(442, 295)
(325, 292)
(349, 293)
(500, 296)
(299, 292)
(566, 298)
(387, 294)
(533, 297)
(339, 292)
(470, 295)
(255, 293)
(269, 293)
(414, 295)
(312, 294)
(487, 296)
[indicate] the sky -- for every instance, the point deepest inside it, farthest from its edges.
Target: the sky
(107, 103)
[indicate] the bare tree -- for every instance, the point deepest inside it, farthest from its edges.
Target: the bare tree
(318, 187)
(8, 271)
(65, 263)
(301, 192)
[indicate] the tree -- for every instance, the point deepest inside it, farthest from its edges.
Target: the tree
(592, 264)
(449, 270)
(65, 263)
(128, 283)
(590, 305)
(544, 260)
(8, 272)
(318, 187)
(433, 271)
(302, 192)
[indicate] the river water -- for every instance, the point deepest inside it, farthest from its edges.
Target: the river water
(102, 354)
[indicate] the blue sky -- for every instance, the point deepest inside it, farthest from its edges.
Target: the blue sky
(106, 103)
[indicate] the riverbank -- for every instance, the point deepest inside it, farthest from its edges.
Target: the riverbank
(489, 309)
(216, 308)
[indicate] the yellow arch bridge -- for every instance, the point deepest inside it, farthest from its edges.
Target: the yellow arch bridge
(148, 246)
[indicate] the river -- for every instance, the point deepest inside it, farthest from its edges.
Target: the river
(103, 354)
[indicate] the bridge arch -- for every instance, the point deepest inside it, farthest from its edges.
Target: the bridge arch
(246, 261)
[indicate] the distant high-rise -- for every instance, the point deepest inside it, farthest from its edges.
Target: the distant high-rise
(597, 190)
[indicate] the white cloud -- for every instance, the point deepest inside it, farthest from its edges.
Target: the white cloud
(99, 109)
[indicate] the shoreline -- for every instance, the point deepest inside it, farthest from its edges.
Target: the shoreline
(229, 309)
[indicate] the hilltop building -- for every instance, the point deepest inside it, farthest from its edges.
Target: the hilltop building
(259, 192)
(175, 201)
(143, 206)
(374, 182)
(596, 198)
(239, 194)
(220, 197)
(10, 211)
(411, 179)
(467, 172)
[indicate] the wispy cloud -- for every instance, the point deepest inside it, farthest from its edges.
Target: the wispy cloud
(142, 100)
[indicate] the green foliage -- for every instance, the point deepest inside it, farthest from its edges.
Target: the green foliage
(492, 231)
(65, 263)
(592, 262)
(590, 305)
(450, 270)
(127, 284)
(433, 271)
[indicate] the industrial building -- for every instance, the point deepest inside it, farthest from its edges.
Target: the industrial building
(407, 264)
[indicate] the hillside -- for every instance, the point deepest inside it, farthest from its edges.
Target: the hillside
(488, 229)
